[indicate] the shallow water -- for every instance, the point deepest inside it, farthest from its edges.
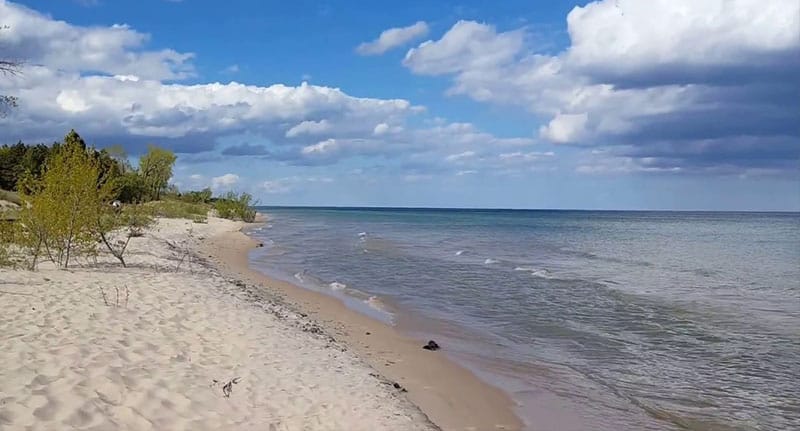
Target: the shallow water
(592, 320)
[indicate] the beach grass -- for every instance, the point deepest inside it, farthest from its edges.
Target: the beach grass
(170, 208)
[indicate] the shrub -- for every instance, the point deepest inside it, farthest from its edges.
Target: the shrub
(7, 237)
(59, 211)
(232, 206)
(116, 228)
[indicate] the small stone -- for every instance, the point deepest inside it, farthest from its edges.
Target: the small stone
(369, 333)
(432, 345)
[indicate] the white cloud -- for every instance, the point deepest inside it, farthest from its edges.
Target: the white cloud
(393, 38)
(114, 50)
(224, 181)
(460, 156)
(322, 147)
(669, 79)
(565, 128)
(309, 128)
(292, 125)
(275, 187)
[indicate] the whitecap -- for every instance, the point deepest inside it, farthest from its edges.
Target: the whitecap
(542, 273)
(459, 253)
(299, 277)
(489, 261)
(362, 234)
(337, 286)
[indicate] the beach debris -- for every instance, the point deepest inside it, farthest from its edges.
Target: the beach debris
(398, 387)
(261, 244)
(227, 389)
(369, 333)
(432, 345)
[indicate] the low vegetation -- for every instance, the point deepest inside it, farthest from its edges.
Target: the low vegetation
(235, 207)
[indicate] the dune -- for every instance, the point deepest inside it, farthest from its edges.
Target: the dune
(169, 343)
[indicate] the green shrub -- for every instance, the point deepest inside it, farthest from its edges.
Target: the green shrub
(236, 207)
(197, 197)
(7, 237)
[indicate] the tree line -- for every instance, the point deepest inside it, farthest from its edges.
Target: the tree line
(21, 164)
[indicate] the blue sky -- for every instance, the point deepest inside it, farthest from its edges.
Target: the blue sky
(617, 104)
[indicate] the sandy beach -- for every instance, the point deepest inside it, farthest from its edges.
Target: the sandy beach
(170, 343)
(450, 395)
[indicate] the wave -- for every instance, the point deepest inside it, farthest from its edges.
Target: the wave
(490, 261)
(536, 272)
(375, 303)
(337, 286)
(459, 253)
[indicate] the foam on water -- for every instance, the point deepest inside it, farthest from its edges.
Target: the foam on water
(337, 286)
(490, 261)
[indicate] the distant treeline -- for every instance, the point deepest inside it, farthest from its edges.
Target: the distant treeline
(22, 164)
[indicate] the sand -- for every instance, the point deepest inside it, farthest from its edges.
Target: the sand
(101, 347)
(450, 395)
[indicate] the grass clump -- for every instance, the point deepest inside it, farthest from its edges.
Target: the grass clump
(179, 209)
(236, 207)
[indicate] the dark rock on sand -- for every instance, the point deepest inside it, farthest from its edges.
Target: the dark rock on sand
(432, 345)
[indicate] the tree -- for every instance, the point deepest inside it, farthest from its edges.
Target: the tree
(60, 210)
(155, 167)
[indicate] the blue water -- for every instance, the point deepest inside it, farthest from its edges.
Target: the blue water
(591, 320)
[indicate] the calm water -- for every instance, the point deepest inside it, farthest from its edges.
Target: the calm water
(591, 320)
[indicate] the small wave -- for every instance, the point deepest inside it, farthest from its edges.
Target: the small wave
(337, 286)
(299, 277)
(536, 272)
(362, 234)
(374, 302)
(490, 261)
(459, 253)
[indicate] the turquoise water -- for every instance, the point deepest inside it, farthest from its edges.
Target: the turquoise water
(591, 320)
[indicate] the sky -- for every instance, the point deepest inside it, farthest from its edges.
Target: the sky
(613, 104)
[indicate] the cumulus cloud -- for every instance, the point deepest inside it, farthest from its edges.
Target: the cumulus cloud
(326, 146)
(224, 181)
(128, 94)
(309, 128)
(114, 50)
(393, 38)
(708, 86)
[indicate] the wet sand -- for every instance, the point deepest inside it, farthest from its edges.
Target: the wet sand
(449, 394)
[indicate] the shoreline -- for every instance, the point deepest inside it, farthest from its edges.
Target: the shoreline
(452, 396)
(170, 342)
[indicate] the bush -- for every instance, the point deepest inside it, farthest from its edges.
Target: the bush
(116, 228)
(236, 207)
(197, 197)
(7, 237)
(60, 211)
